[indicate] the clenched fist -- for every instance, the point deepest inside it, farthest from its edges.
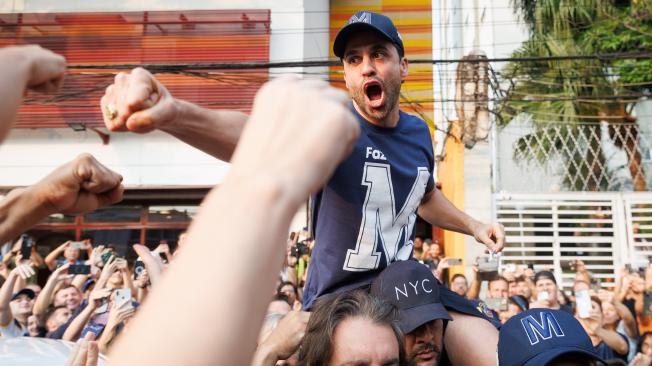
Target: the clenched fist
(80, 186)
(137, 102)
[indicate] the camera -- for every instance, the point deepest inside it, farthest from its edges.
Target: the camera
(300, 249)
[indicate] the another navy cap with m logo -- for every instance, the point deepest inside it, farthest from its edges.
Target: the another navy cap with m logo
(365, 19)
(543, 328)
(538, 336)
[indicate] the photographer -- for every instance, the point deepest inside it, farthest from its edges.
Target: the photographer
(607, 342)
(289, 289)
(547, 293)
(71, 252)
(15, 308)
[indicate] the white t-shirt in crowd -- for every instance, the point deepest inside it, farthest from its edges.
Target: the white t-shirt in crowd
(14, 329)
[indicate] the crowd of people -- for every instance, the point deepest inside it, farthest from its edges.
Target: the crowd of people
(356, 288)
(96, 295)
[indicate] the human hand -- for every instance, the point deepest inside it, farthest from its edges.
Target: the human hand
(153, 263)
(163, 248)
(641, 359)
(118, 315)
(121, 264)
(56, 275)
(286, 337)
(491, 235)
(109, 268)
(594, 322)
(475, 267)
(85, 353)
(443, 264)
(143, 280)
(96, 255)
(45, 69)
(80, 186)
(96, 296)
(313, 110)
(24, 271)
(137, 102)
(19, 259)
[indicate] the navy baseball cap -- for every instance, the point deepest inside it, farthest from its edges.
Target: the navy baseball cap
(364, 19)
(89, 282)
(413, 290)
(30, 293)
(538, 336)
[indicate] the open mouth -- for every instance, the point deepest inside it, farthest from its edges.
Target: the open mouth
(374, 92)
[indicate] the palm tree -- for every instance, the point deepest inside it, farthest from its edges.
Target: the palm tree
(573, 93)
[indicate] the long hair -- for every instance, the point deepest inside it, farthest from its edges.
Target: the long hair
(317, 347)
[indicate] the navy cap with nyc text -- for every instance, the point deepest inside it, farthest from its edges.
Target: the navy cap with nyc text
(539, 336)
(362, 20)
(413, 290)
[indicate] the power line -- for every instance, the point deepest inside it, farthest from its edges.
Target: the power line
(327, 63)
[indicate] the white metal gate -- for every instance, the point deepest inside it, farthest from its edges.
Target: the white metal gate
(638, 214)
(605, 230)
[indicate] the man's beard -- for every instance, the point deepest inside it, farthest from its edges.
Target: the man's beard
(425, 347)
(391, 89)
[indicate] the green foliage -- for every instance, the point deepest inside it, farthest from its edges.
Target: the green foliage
(565, 91)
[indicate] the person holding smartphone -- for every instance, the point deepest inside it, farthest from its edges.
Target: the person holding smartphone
(547, 293)
(71, 252)
(608, 343)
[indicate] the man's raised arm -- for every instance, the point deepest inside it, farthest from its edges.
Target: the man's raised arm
(25, 68)
(439, 211)
(273, 173)
(138, 102)
(80, 186)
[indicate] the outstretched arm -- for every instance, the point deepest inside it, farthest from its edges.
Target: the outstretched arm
(79, 186)
(21, 272)
(138, 102)
(51, 258)
(44, 298)
(272, 174)
(23, 68)
(439, 211)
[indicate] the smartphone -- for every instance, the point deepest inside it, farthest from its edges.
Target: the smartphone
(454, 261)
(647, 303)
(640, 264)
(487, 267)
(139, 267)
(543, 296)
(540, 267)
(81, 269)
(106, 256)
(26, 246)
(104, 307)
(628, 267)
(123, 297)
(583, 301)
(509, 267)
(497, 304)
(78, 245)
(488, 264)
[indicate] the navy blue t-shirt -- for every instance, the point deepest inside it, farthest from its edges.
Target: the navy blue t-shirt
(363, 219)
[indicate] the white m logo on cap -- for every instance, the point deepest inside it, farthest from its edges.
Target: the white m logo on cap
(364, 18)
(543, 330)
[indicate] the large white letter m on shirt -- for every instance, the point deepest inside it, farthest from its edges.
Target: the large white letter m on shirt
(380, 222)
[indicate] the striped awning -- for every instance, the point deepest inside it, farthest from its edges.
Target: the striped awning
(168, 37)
